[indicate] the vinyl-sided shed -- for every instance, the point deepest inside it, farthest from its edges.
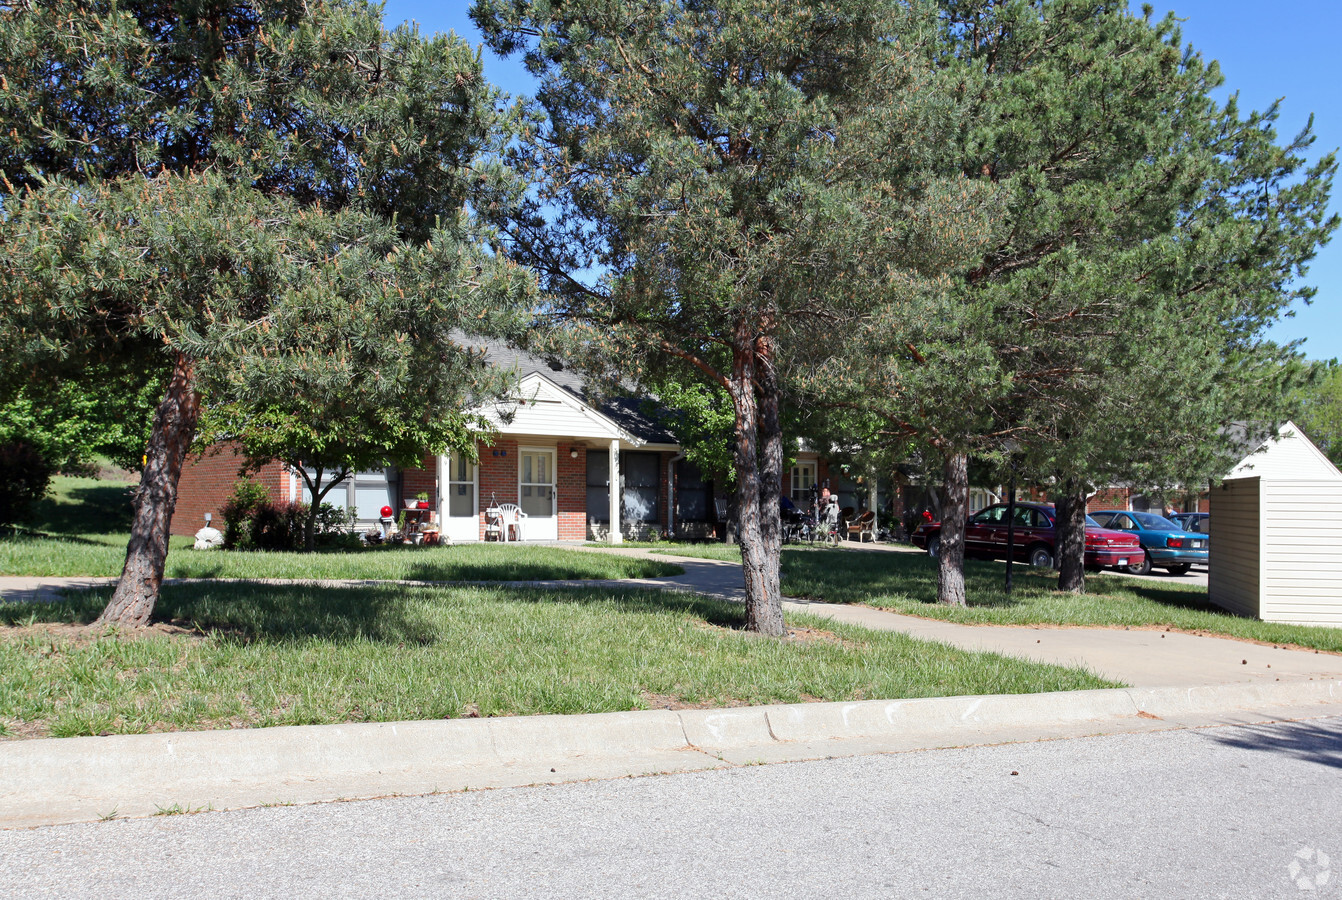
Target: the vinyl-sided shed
(1276, 534)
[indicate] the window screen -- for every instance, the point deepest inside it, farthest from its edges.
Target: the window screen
(691, 493)
(638, 471)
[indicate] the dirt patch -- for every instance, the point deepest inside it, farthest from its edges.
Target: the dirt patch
(792, 636)
(79, 635)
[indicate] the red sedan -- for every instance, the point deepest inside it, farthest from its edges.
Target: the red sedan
(986, 537)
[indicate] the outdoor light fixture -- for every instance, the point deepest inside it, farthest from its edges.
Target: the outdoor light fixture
(573, 453)
(207, 520)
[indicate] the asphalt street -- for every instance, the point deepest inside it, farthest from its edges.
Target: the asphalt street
(1217, 812)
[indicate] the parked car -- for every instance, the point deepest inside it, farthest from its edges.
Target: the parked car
(986, 537)
(1165, 544)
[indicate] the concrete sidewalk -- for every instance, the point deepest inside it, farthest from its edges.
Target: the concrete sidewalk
(55, 781)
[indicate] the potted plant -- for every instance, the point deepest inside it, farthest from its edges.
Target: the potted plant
(422, 500)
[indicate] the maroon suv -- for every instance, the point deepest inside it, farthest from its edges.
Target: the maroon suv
(986, 536)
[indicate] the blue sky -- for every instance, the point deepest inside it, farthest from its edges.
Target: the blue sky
(1268, 51)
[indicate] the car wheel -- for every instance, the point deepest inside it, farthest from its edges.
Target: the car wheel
(1181, 569)
(1041, 557)
(1143, 567)
(934, 547)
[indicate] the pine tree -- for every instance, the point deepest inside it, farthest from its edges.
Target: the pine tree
(264, 198)
(740, 173)
(1115, 323)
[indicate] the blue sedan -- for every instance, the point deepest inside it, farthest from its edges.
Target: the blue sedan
(1167, 546)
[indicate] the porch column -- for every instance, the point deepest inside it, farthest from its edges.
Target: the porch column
(872, 502)
(440, 494)
(615, 536)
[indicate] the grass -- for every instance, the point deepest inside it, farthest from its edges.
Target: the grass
(83, 525)
(906, 583)
(58, 555)
(255, 655)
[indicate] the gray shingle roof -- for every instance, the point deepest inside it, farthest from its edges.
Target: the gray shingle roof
(626, 411)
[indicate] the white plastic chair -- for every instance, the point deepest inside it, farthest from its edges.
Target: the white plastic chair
(512, 515)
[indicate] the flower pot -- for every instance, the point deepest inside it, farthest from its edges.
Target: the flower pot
(417, 539)
(423, 504)
(412, 504)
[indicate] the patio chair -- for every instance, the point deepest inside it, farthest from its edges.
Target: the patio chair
(512, 517)
(864, 526)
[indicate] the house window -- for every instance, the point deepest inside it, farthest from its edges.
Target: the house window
(639, 499)
(803, 479)
(364, 492)
(691, 494)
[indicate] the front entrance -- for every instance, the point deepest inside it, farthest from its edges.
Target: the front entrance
(536, 493)
(461, 499)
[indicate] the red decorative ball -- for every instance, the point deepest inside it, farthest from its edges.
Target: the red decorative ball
(386, 512)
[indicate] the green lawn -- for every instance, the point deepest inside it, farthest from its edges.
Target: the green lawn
(254, 655)
(906, 583)
(83, 525)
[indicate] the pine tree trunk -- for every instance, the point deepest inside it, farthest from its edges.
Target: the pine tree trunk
(764, 612)
(771, 475)
(1071, 538)
(954, 511)
(146, 555)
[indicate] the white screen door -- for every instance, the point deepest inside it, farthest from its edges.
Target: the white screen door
(536, 494)
(460, 520)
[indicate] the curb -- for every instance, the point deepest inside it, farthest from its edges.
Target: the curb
(64, 780)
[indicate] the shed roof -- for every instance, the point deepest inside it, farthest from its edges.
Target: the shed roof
(1290, 455)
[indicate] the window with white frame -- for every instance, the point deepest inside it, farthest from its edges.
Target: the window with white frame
(803, 479)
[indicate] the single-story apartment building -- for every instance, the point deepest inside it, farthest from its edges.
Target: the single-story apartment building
(555, 455)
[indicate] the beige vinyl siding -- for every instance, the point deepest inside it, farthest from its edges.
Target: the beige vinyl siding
(1302, 552)
(1235, 565)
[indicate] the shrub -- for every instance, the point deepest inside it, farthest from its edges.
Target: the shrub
(238, 512)
(24, 477)
(252, 521)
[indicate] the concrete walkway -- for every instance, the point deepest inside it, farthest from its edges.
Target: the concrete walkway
(1138, 657)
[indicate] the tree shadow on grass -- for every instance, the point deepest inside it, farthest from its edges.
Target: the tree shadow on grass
(839, 576)
(522, 569)
(100, 509)
(654, 601)
(253, 612)
(389, 614)
(1316, 742)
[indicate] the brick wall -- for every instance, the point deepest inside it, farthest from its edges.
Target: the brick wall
(421, 479)
(571, 491)
(208, 480)
(498, 476)
(1108, 498)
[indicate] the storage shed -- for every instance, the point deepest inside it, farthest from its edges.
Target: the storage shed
(1276, 534)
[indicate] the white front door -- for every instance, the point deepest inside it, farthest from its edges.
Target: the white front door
(460, 521)
(536, 494)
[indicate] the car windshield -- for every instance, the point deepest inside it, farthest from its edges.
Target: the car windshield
(1153, 522)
